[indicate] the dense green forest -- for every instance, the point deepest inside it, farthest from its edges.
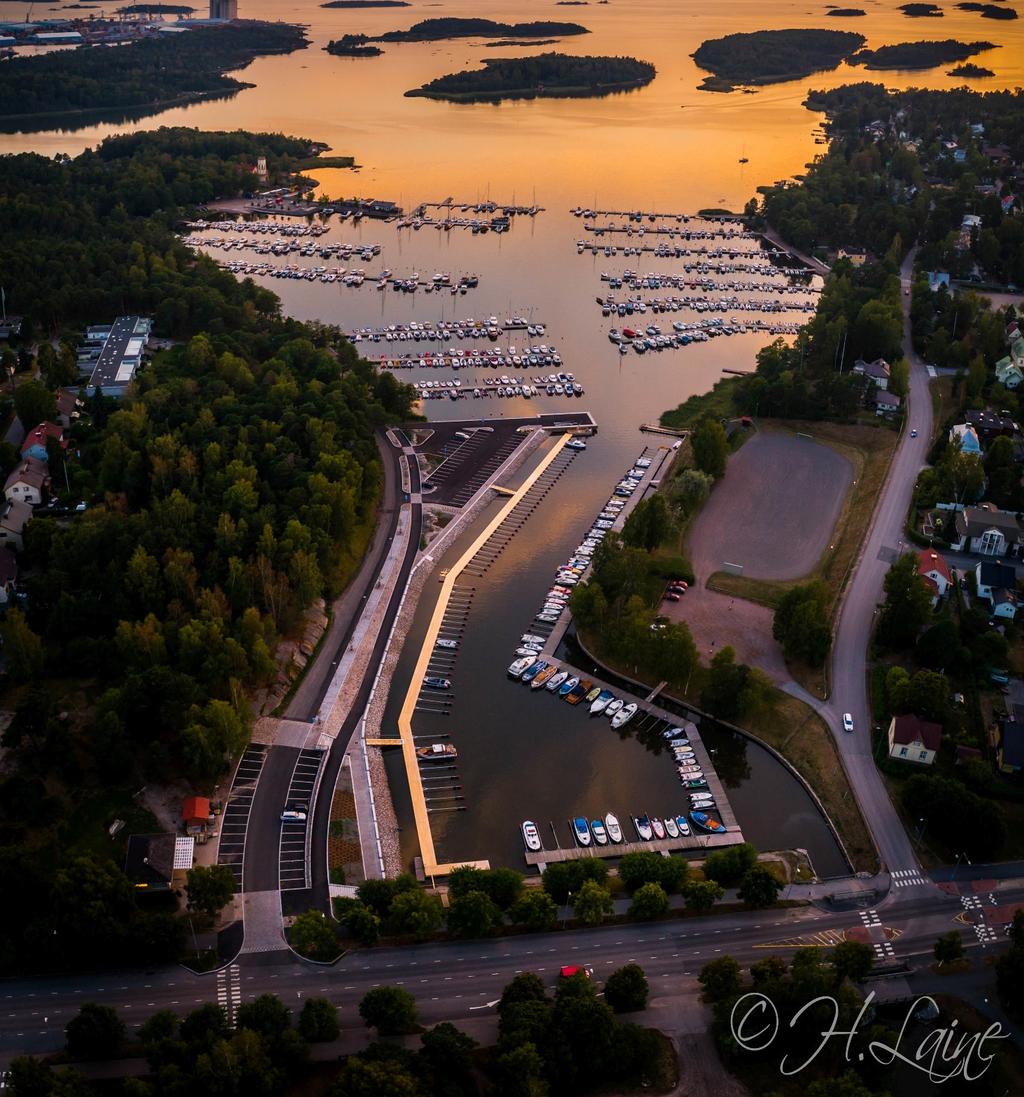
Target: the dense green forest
(970, 71)
(769, 56)
(224, 496)
(439, 29)
(141, 77)
(918, 55)
(547, 74)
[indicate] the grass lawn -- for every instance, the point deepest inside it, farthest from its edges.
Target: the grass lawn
(93, 816)
(869, 449)
(945, 404)
(799, 734)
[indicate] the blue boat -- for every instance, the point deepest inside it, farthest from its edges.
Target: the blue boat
(705, 822)
(437, 683)
(581, 830)
(568, 686)
(533, 671)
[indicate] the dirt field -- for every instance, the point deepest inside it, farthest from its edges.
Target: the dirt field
(776, 523)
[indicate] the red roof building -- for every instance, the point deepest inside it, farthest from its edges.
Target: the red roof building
(912, 739)
(36, 439)
(195, 812)
(934, 570)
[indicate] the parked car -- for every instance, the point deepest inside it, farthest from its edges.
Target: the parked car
(847, 721)
(670, 596)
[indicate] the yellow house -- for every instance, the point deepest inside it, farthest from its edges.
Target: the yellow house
(912, 739)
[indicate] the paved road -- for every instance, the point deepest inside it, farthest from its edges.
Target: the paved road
(864, 594)
(458, 980)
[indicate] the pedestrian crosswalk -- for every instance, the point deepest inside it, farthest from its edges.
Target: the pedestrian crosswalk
(985, 933)
(907, 877)
(971, 902)
(870, 918)
(229, 991)
(884, 950)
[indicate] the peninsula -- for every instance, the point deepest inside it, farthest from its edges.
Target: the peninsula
(549, 75)
(138, 79)
(772, 56)
(918, 55)
(439, 30)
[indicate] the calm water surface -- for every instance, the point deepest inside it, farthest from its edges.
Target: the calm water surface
(667, 147)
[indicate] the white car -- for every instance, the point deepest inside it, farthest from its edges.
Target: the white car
(847, 721)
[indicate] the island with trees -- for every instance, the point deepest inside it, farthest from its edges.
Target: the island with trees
(549, 75)
(137, 79)
(846, 13)
(152, 9)
(771, 56)
(990, 11)
(442, 29)
(918, 55)
(366, 4)
(921, 11)
(352, 45)
(970, 71)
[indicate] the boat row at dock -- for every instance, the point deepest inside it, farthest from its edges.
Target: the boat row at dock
(446, 330)
(758, 264)
(554, 385)
(607, 830)
(305, 249)
(610, 307)
(677, 251)
(264, 227)
(671, 233)
(630, 279)
(464, 359)
(700, 331)
(487, 206)
(639, 216)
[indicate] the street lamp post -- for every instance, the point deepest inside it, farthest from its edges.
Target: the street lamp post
(959, 857)
(922, 827)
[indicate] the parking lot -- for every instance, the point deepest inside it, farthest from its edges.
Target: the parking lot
(235, 819)
(293, 869)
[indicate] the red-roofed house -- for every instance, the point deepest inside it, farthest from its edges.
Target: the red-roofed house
(934, 570)
(912, 739)
(195, 813)
(35, 441)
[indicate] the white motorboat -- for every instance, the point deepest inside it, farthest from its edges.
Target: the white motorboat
(613, 828)
(613, 707)
(517, 668)
(671, 828)
(599, 832)
(554, 682)
(624, 715)
(601, 702)
(531, 836)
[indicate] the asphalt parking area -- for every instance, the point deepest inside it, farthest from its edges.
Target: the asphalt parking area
(292, 849)
(235, 820)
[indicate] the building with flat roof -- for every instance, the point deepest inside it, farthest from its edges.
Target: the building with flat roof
(114, 354)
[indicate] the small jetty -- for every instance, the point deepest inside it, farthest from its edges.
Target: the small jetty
(653, 428)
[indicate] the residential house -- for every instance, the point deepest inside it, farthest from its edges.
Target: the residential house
(27, 482)
(1010, 746)
(992, 575)
(14, 517)
(987, 531)
(912, 739)
(195, 814)
(877, 371)
(934, 570)
(1008, 373)
(69, 407)
(937, 278)
(8, 576)
(36, 440)
(155, 862)
(967, 437)
(989, 424)
(1005, 603)
(886, 403)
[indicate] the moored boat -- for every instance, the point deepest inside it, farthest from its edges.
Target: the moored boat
(670, 827)
(706, 822)
(581, 830)
(684, 826)
(437, 683)
(600, 703)
(543, 677)
(553, 683)
(520, 665)
(531, 836)
(613, 706)
(643, 827)
(624, 715)
(437, 752)
(658, 827)
(568, 686)
(612, 826)
(531, 672)
(600, 834)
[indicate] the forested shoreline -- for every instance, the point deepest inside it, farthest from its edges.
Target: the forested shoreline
(222, 495)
